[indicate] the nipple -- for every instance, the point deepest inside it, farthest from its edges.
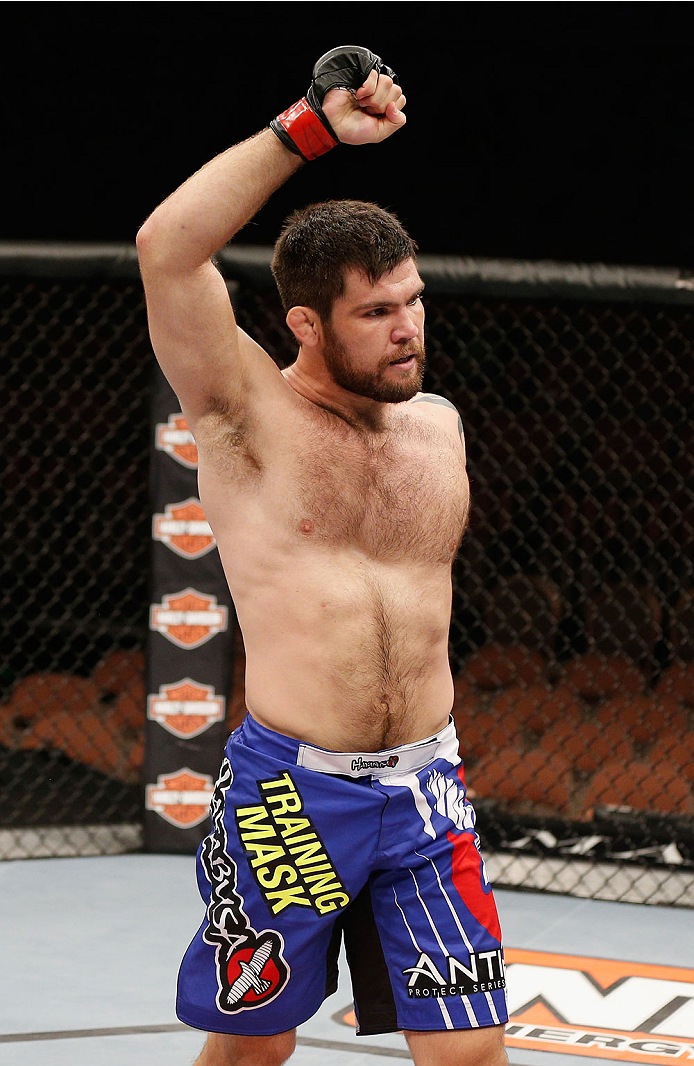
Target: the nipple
(306, 525)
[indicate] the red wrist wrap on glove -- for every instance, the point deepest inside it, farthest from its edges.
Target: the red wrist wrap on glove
(306, 130)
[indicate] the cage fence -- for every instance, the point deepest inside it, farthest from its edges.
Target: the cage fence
(76, 366)
(572, 636)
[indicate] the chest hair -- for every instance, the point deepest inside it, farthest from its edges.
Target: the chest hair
(399, 493)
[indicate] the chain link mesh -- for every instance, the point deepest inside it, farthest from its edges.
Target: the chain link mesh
(75, 545)
(572, 633)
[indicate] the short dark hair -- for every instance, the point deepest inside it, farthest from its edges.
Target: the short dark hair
(320, 242)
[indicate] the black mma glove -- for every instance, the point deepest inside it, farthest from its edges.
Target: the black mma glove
(304, 128)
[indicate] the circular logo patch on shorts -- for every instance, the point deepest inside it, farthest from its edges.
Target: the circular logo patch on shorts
(253, 975)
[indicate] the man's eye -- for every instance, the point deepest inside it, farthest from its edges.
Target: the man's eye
(376, 312)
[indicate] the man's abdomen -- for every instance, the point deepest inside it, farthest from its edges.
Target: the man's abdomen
(348, 654)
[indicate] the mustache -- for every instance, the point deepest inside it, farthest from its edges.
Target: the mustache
(408, 350)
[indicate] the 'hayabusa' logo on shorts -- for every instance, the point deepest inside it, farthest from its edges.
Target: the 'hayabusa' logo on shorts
(252, 975)
(375, 764)
(250, 966)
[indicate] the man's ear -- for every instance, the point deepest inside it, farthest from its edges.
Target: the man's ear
(305, 325)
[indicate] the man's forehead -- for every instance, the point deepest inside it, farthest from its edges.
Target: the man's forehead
(400, 280)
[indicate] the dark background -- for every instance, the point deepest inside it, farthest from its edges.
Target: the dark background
(535, 130)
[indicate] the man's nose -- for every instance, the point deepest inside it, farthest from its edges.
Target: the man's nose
(406, 326)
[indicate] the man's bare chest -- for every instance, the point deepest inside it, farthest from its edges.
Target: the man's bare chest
(397, 495)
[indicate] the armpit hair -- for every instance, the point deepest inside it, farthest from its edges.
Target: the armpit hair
(226, 426)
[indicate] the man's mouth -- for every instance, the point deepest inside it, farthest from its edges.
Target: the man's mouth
(404, 360)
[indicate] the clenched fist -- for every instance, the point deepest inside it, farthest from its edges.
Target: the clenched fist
(353, 98)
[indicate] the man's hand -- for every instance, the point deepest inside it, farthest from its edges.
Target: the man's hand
(353, 97)
(372, 113)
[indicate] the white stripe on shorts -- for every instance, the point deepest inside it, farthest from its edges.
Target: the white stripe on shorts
(468, 945)
(442, 1006)
(451, 908)
(472, 1018)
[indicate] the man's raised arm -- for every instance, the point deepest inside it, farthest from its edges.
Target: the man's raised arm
(206, 358)
(191, 322)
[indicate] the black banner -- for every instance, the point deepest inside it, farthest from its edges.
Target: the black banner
(191, 622)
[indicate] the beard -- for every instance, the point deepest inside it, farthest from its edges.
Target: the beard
(374, 384)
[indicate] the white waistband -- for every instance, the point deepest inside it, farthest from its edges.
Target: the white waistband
(404, 759)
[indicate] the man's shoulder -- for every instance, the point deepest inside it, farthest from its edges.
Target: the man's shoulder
(432, 397)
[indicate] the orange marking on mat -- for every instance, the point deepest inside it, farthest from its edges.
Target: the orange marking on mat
(541, 1025)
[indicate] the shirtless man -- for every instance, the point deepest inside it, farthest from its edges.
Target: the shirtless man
(338, 496)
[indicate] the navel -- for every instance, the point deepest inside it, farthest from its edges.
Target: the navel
(307, 526)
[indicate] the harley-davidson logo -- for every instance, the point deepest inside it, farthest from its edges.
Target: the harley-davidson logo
(184, 528)
(181, 798)
(188, 618)
(174, 438)
(186, 708)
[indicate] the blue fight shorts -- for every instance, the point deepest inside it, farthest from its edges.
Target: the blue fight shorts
(308, 846)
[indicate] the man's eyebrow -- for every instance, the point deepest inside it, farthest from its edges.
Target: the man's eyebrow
(388, 303)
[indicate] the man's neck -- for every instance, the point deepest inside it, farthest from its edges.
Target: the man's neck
(359, 411)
